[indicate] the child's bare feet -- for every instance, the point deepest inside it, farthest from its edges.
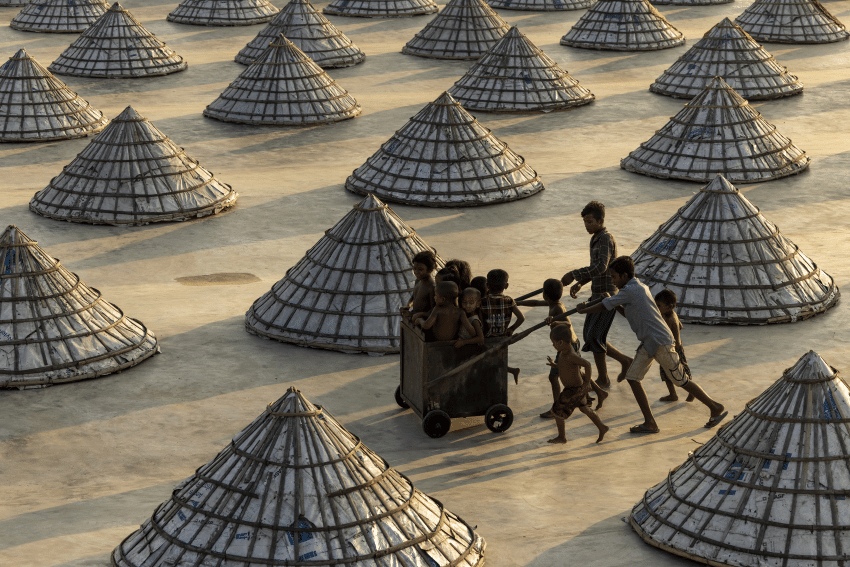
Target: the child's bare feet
(622, 375)
(690, 398)
(602, 395)
(547, 414)
(515, 372)
(603, 382)
(559, 440)
(669, 398)
(602, 433)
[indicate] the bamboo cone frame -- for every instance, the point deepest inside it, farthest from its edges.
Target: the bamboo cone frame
(771, 488)
(623, 25)
(541, 5)
(516, 76)
(296, 488)
(132, 174)
(464, 29)
(689, 2)
(311, 32)
(12, 3)
(717, 132)
(117, 46)
(35, 106)
(728, 264)
(283, 87)
(443, 157)
(59, 16)
(53, 327)
(222, 12)
(380, 8)
(346, 292)
(727, 51)
(791, 21)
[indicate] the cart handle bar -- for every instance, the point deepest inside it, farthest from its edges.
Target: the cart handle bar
(529, 295)
(508, 341)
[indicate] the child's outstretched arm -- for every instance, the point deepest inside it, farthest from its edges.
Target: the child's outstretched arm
(520, 319)
(429, 322)
(674, 328)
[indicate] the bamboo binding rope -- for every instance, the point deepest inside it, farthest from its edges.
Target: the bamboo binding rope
(380, 8)
(728, 264)
(516, 76)
(283, 87)
(117, 46)
(346, 292)
(296, 488)
(791, 21)
(540, 5)
(222, 12)
(464, 29)
(58, 16)
(35, 106)
(311, 32)
(443, 157)
(717, 132)
(727, 51)
(772, 487)
(53, 327)
(132, 174)
(623, 25)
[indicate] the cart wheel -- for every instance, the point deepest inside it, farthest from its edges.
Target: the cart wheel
(399, 400)
(499, 418)
(436, 423)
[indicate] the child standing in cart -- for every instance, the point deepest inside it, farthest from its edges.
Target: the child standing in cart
(422, 300)
(497, 309)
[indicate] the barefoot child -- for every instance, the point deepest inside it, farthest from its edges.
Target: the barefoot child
(666, 302)
(497, 309)
(470, 303)
(446, 318)
(422, 299)
(576, 383)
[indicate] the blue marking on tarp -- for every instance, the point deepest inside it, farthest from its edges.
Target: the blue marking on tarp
(836, 496)
(8, 260)
(243, 535)
(664, 246)
(302, 536)
(701, 131)
(830, 410)
(181, 515)
(310, 555)
(731, 492)
(641, 516)
(784, 465)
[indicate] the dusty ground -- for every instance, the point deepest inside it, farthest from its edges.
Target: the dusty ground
(83, 464)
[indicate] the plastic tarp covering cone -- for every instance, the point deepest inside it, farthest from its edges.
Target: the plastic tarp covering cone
(443, 157)
(296, 488)
(53, 327)
(516, 76)
(380, 8)
(283, 87)
(623, 25)
(727, 51)
(346, 292)
(791, 21)
(771, 488)
(132, 174)
(727, 263)
(59, 16)
(311, 32)
(717, 132)
(222, 12)
(117, 46)
(541, 5)
(464, 29)
(35, 106)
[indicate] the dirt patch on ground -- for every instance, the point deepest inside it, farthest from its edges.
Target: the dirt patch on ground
(219, 279)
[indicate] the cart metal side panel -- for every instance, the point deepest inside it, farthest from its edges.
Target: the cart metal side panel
(412, 366)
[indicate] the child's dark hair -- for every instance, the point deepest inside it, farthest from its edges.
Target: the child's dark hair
(594, 208)
(623, 265)
(449, 274)
(447, 290)
(427, 258)
(667, 297)
(562, 333)
(472, 291)
(553, 289)
(479, 283)
(497, 281)
(464, 271)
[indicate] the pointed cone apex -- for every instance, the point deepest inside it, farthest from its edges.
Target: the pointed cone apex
(297, 487)
(770, 488)
(623, 25)
(59, 16)
(222, 12)
(443, 157)
(727, 263)
(346, 292)
(727, 51)
(542, 5)
(380, 8)
(283, 87)
(464, 29)
(311, 32)
(516, 76)
(717, 132)
(53, 327)
(131, 174)
(117, 46)
(38, 107)
(791, 21)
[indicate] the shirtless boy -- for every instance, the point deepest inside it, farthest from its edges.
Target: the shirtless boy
(423, 291)
(576, 383)
(666, 301)
(446, 318)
